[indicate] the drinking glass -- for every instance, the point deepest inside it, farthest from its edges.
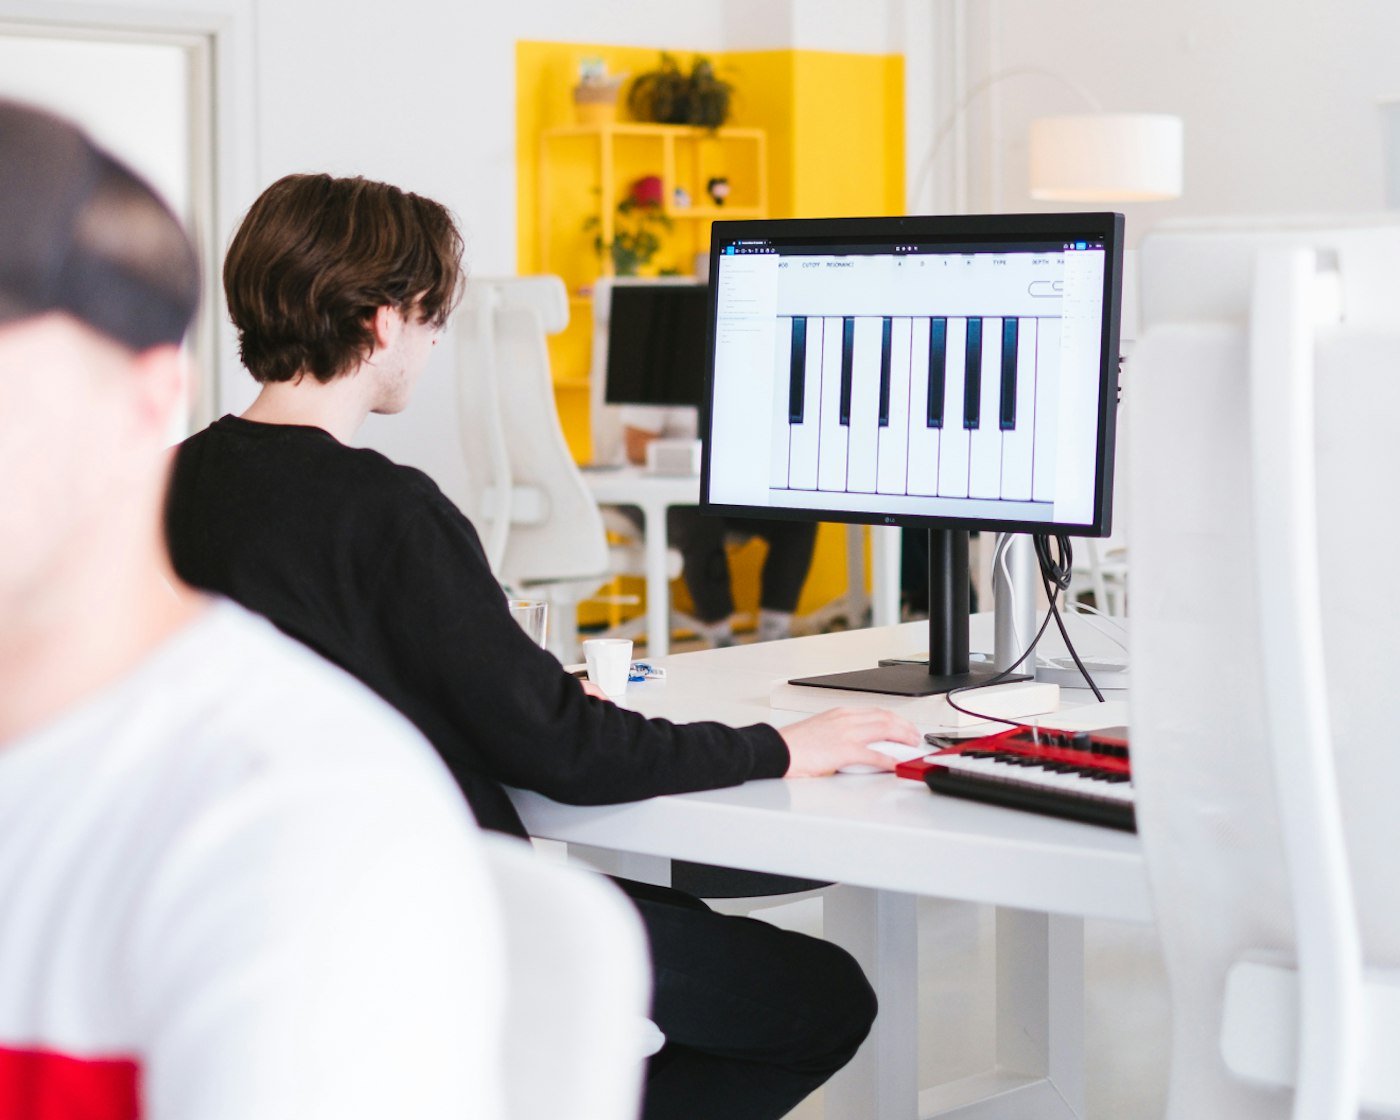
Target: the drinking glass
(533, 617)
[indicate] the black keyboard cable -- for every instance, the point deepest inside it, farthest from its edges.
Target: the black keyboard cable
(1055, 571)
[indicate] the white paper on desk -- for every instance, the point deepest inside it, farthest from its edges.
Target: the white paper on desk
(1088, 717)
(1016, 700)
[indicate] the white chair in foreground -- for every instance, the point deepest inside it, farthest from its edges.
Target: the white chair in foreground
(540, 526)
(578, 991)
(1265, 655)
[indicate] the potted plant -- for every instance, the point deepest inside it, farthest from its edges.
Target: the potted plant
(595, 96)
(668, 95)
(637, 229)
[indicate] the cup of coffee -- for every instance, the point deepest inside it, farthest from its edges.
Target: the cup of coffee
(609, 661)
(533, 617)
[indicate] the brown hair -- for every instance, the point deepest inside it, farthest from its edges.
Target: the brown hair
(315, 258)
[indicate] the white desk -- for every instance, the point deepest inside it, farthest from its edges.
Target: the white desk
(654, 494)
(887, 840)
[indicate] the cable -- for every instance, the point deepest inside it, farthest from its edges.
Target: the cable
(1092, 617)
(996, 679)
(1008, 585)
(1055, 574)
(1113, 620)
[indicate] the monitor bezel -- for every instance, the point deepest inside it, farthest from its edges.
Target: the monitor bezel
(951, 229)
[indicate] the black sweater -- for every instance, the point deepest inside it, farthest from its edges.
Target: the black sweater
(370, 565)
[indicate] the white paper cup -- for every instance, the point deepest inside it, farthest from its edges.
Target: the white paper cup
(609, 660)
(533, 617)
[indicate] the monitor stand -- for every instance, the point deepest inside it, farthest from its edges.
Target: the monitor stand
(948, 666)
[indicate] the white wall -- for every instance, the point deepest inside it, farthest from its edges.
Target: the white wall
(1279, 96)
(422, 93)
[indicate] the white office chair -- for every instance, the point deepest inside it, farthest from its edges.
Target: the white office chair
(578, 984)
(540, 526)
(1264, 658)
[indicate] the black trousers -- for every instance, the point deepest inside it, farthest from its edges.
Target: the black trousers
(755, 1017)
(700, 541)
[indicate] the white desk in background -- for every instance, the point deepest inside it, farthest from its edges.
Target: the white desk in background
(887, 840)
(654, 494)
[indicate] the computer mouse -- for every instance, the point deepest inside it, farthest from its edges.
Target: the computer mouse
(900, 752)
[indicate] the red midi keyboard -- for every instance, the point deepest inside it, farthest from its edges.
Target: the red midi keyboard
(1081, 775)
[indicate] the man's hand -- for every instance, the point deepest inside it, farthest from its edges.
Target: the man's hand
(591, 689)
(823, 743)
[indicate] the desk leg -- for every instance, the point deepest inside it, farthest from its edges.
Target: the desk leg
(658, 586)
(885, 544)
(1040, 1002)
(880, 929)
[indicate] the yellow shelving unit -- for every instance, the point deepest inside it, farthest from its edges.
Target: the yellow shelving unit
(585, 170)
(830, 141)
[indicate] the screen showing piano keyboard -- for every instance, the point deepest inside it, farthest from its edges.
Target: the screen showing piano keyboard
(920, 379)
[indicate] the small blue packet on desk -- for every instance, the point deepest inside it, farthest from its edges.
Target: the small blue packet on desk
(645, 671)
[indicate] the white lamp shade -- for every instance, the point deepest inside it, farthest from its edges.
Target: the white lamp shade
(1106, 157)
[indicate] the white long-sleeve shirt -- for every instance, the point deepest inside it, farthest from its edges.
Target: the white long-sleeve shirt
(237, 885)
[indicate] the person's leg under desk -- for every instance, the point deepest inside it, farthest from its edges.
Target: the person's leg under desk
(790, 548)
(755, 1017)
(701, 543)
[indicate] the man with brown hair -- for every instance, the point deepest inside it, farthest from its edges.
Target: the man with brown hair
(223, 862)
(338, 288)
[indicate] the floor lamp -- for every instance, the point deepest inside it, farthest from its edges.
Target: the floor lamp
(1089, 157)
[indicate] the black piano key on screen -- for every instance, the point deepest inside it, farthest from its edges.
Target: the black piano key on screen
(848, 348)
(885, 375)
(972, 368)
(797, 370)
(937, 366)
(1009, 333)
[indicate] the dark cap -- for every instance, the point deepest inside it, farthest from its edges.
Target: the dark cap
(81, 233)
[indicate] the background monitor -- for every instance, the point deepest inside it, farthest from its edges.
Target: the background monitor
(657, 344)
(950, 373)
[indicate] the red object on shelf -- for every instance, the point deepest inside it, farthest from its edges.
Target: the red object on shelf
(647, 191)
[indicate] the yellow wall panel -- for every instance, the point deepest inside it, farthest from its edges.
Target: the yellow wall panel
(847, 150)
(835, 129)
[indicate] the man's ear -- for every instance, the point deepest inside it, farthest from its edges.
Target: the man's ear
(385, 325)
(162, 386)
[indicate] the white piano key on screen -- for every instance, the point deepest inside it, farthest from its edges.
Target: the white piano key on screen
(778, 453)
(1047, 419)
(894, 437)
(832, 442)
(1017, 445)
(984, 480)
(923, 440)
(862, 456)
(954, 443)
(803, 475)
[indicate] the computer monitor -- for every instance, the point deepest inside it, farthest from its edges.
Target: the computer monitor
(945, 373)
(657, 344)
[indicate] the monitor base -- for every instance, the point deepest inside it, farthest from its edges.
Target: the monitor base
(905, 680)
(1063, 672)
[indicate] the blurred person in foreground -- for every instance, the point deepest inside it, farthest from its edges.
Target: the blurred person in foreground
(339, 289)
(233, 882)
